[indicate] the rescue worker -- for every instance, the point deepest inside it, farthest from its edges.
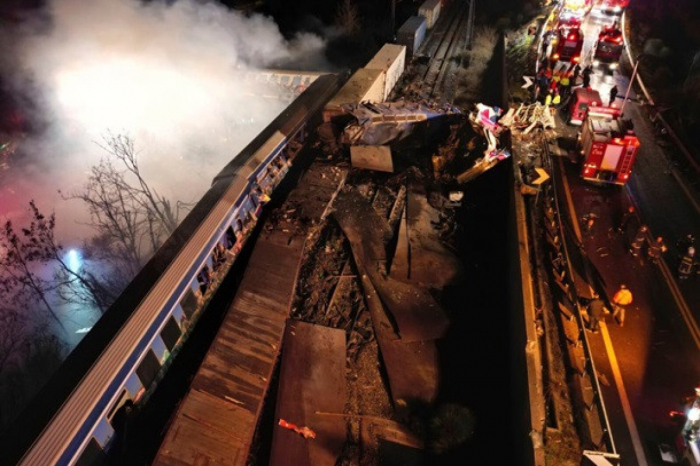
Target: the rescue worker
(565, 85)
(595, 312)
(627, 217)
(613, 95)
(685, 268)
(575, 73)
(587, 71)
(686, 242)
(638, 241)
(556, 100)
(657, 248)
(548, 99)
(621, 299)
(554, 85)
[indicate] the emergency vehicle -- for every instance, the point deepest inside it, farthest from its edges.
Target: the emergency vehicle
(608, 146)
(581, 100)
(574, 8)
(683, 440)
(567, 45)
(611, 7)
(608, 48)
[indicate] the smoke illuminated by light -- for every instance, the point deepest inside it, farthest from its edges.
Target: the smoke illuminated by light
(126, 94)
(169, 74)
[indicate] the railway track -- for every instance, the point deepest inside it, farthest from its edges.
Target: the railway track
(441, 55)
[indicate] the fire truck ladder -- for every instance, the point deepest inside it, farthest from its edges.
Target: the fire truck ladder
(626, 161)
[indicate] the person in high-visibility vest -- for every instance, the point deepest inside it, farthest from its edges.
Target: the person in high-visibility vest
(657, 248)
(638, 241)
(685, 268)
(621, 299)
(556, 100)
(548, 99)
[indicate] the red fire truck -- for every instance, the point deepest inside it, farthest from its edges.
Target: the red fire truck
(567, 45)
(608, 146)
(611, 7)
(608, 48)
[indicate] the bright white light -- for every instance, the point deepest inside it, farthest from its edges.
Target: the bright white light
(73, 260)
(693, 414)
(129, 94)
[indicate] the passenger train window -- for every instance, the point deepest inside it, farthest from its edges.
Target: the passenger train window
(123, 396)
(170, 333)
(159, 349)
(133, 385)
(230, 238)
(148, 369)
(92, 455)
(189, 303)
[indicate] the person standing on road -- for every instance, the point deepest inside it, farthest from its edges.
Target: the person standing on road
(657, 248)
(565, 85)
(627, 217)
(556, 99)
(621, 299)
(595, 312)
(639, 239)
(613, 95)
(587, 71)
(575, 73)
(685, 268)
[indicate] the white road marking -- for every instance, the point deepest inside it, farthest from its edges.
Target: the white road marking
(624, 400)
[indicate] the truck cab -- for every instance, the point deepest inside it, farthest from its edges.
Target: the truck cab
(608, 147)
(568, 45)
(608, 48)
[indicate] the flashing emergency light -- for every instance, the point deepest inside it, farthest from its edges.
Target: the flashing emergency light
(73, 260)
(694, 414)
(572, 37)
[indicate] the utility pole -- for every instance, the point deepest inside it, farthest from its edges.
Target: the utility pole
(393, 19)
(629, 86)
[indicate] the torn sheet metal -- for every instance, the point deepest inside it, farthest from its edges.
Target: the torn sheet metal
(372, 158)
(382, 123)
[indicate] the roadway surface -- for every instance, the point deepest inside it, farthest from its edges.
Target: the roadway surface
(649, 365)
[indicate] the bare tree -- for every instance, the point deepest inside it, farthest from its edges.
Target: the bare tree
(22, 256)
(347, 17)
(130, 218)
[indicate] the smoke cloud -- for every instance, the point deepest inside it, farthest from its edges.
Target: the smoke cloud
(168, 74)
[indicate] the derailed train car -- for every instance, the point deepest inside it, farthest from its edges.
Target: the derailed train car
(72, 421)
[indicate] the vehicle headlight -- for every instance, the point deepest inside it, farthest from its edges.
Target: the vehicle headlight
(613, 66)
(596, 63)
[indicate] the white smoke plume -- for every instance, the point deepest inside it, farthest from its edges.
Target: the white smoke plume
(168, 74)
